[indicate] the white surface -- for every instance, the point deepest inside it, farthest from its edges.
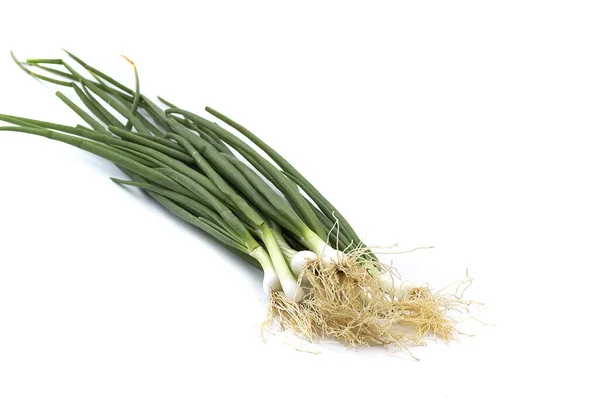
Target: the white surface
(470, 126)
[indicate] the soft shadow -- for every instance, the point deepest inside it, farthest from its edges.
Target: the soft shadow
(240, 260)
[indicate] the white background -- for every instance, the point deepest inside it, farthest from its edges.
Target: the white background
(471, 126)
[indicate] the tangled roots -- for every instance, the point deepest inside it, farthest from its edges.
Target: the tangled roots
(346, 303)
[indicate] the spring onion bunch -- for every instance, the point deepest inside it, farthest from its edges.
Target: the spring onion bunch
(321, 279)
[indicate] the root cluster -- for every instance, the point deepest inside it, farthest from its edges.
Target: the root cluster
(346, 303)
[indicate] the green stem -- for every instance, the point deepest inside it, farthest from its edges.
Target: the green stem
(136, 97)
(290, 170)
(289, 189)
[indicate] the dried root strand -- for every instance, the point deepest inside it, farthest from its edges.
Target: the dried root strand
(345, 303)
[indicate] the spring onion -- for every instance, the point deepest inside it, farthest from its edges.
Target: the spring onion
(322, 280)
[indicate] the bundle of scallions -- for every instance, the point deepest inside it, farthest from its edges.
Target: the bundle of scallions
(321, 279)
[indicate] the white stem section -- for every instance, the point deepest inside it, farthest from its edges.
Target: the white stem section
(327, 253)
(331, 255)
(270, 279)
(299, 261)
(289, 283)
(393, 285)
(293, 290)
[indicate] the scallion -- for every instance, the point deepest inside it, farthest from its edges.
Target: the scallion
(322, 280)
